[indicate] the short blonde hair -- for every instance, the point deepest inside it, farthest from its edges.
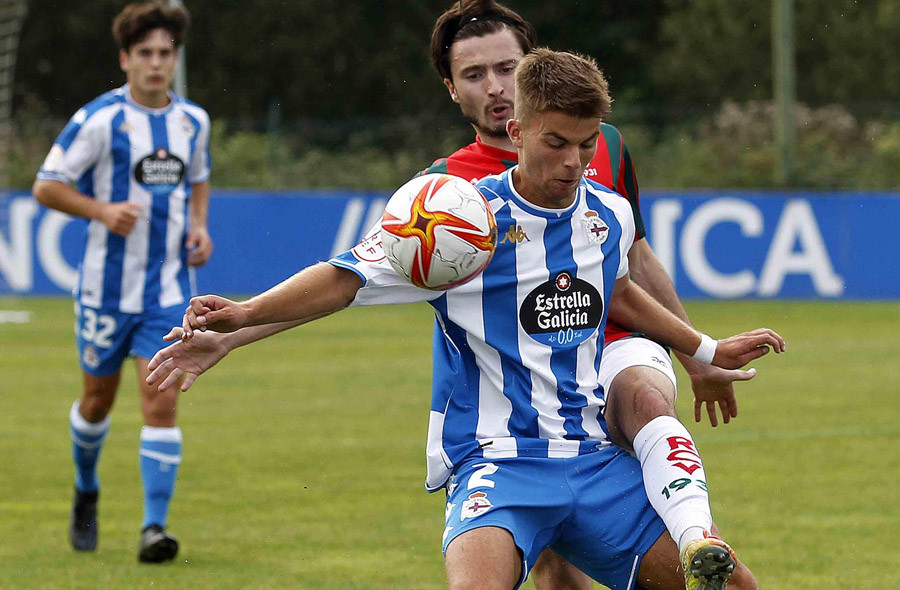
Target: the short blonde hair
(558, 81)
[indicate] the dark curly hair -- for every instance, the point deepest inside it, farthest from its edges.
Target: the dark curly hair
(475, 18)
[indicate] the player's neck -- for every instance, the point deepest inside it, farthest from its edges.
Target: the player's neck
(501, 143)
(532, 193)
(151, 100)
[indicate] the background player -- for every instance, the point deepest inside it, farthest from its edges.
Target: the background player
(139, 157)
(591, 506)
(475, 46)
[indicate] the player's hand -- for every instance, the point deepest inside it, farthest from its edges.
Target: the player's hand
(715, 386)
(214, 313)
(188, 359)
(120, 218)
(737, 351)
(199, 246)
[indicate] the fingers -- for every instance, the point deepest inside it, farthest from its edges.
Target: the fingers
(194, 318)
(173, 335)
(161, 370)
(188, 381)
(697, 408)
(711, 412)
(172, 379)
(766, 337)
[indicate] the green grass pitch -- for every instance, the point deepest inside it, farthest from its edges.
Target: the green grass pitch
(304, 456)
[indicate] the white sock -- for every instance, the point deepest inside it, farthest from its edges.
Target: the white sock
(674, 478)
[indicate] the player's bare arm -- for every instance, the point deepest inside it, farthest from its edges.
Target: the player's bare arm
(194, 357)
(313, 292)
(199, 242)
(120, 217)
(633, 308)
(711, 385)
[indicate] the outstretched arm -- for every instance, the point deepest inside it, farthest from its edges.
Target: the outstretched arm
(315, 291)
(635, 310)
(191, 358)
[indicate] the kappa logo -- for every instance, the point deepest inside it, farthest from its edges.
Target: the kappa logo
(450, 507)
(475, 506)
(515, 235)
(596, 229)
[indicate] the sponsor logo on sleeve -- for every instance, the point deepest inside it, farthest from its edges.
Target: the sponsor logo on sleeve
(370, 248)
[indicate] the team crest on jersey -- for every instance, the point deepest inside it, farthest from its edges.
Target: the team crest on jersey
(90, 357)
(160, 172)
(562, 312)
(187, 127)
(476, 505)
(596, 229)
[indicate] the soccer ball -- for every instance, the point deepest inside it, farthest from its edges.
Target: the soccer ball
(438, 231)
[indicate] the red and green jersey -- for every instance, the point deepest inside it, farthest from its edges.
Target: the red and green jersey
(610, 167)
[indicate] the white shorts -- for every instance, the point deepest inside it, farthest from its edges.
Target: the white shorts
(634, 352)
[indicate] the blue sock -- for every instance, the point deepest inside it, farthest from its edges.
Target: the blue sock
(87, 442)
(160, 456)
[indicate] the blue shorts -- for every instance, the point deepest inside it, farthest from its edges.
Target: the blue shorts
(591, 509)
(105, 337)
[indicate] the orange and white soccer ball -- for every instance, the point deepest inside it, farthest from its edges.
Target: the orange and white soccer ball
(438, 231)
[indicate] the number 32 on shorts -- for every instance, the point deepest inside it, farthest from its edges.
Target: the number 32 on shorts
(96, 328)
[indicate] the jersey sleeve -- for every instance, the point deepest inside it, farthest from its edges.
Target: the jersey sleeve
(626, 220)
(381, 283)
(77, 148)
(201, 164)
(627, 186)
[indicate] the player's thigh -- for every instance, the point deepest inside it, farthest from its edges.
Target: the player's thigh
(553, 572)
(484, 558)
(158, 406)
(613, 524)
(526, 497)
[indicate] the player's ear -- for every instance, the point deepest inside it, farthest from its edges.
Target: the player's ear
(123, 60)
(514, 130)
(451, 89)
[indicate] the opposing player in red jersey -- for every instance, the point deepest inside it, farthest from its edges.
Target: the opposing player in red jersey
(475, 46)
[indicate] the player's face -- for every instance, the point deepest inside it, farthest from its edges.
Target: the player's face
(149, 66)
(554, 149)
(483, 80)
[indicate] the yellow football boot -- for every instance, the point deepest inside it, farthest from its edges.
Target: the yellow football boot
(708, 564)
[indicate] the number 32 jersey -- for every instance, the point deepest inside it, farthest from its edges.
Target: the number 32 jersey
(116, 150)
(525, 337)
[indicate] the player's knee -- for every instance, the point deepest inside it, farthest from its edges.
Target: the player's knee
(96, 401)
(632, 407)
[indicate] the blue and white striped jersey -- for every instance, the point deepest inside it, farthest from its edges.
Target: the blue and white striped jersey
(117, 150)
(524, 338)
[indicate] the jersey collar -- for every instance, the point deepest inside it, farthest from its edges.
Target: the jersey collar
(126, 92)
(543, 211)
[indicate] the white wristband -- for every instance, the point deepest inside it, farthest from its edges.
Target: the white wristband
(706, 352)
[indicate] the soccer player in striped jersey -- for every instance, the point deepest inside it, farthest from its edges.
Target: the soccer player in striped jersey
(475, 46)
(139, 159)
(519, 440)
